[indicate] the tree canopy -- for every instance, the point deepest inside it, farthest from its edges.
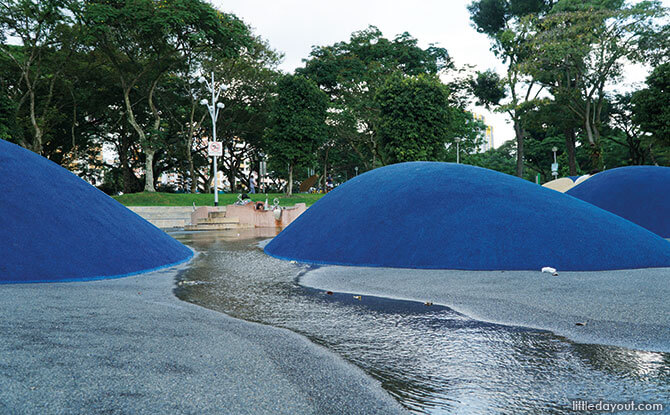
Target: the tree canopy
(79, 77)
(298, 122)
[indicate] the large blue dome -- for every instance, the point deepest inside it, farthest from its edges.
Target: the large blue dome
(640, 194)
(454, 216)
(56, 227)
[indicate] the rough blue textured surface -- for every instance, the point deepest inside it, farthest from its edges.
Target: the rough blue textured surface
(451, 216)
(640, 194)
(55, 227)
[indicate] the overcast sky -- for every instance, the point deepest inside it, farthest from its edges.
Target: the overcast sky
(294, 26)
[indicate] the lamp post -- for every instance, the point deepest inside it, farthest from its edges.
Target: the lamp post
(214, 107)
(554, 166)
(458, 149)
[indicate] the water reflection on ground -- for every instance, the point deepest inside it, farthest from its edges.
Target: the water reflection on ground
(430, 358)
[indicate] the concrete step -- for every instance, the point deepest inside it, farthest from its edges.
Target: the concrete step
(212, 220)
(164, 215)
(213, 227)
(157, 209)
(219, 214)
(168, 223)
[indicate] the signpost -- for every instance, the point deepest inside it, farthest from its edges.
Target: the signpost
(215, 149)
(554, 165)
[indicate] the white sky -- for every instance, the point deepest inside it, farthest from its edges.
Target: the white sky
(294, 26)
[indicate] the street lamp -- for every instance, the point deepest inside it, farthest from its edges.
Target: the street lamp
(554, 166)
(214, 107)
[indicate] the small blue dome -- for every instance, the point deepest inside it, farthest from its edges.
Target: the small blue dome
(453, 216)
(56, 227)
(640, 194)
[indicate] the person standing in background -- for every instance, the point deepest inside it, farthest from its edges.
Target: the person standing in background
(252, 184)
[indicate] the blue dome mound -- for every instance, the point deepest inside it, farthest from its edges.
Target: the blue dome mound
(640, 194)
(55, 227)
(454, 216)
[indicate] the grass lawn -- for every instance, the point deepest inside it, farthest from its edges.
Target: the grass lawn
(207, 199)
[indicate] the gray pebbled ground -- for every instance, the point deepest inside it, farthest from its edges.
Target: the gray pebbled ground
(627, 308)
(128, 346)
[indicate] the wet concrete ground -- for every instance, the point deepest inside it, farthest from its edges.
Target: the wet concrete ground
(432, 359)
(129, 346)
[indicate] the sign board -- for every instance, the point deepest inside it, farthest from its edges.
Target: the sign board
(554, 167)
(215, 149)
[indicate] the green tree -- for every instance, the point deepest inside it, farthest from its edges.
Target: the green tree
(580, 47)
(144, 39)
(297, 123)
(352, 72)
(625, 132)
(252, 77)
(43, 28)
(651, 108)
(501, 21)
(415, 119)
(500, 159)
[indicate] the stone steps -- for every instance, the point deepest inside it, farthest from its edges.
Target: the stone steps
(169, 223)
(165, 217)
(219, 214)
(161, 209)
(216, 219)
(214, 227)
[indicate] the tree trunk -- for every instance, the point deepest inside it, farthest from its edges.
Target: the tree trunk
(37, 144)
(189, 147)
(231, 179)
(149, 150)
(149, 170)
(149, 174)
(325, 170)
(191, 167)
(652, 156)
(587, 123)
(519, 148)
(570, 146)
(290, 180)
(129, 178)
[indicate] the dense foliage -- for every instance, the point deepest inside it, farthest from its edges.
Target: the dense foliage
(79, 76)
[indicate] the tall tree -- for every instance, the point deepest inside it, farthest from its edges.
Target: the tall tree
(43, 28)
(297, 123)
(145, 39)
(415, 119)
(251, 78)
(625, 132)
(580, 47)
(352, 72)
(501, 21)
(651, 108)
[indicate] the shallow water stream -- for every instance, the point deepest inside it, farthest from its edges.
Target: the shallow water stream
(430, 358)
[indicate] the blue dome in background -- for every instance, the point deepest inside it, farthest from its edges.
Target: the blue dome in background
(56, 227)
(453, 216)
(640, 194)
